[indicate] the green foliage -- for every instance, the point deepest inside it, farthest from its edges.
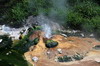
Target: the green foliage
(78, 57)
(60, 59)
(87, 9)
(36, 40)
(6, 42)
(51, 44)
(24, 44)
(12, 59)
(9, 56)
(18, 13)
(38, 28)
(74, 20)
(39, 6)
(33, 28)
(84, 16)
(64, 59)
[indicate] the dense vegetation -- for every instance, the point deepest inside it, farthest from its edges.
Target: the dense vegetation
(85, 16)
(11, 52)
(66, 58)
(79, 14)
(9, 56)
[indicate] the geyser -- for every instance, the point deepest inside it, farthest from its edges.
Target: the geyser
(47, 30)
(48, 25)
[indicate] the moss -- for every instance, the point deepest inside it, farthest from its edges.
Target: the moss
(36, 40)
(65, 58)
(78, 57)
(51, 44)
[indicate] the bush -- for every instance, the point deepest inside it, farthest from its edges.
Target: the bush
(6, 42)
(60, 59)
(36, 40)
(64, 59)
(74, 20)
(88, 9)
(84, 16)
(17, 15)
(78, 57)
(24, 44)
(39, 5)
(51, 44)
(12, 59)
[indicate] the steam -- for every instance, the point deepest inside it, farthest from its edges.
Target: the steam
(56, 16)
(59, 9)
(48, 26)
(47, 30)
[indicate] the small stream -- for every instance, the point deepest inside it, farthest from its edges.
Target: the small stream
(12, 32)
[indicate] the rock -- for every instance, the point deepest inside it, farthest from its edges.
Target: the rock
(91, 35)
(74, 31)
(35, 59)
(69, 31)
(59, 51)
(64, 35)
(82, 35)
(56, 59)
(48, 53)
(97, 60)
(7, 53)
(0, 40)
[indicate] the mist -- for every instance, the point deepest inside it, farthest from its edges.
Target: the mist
(55, 18)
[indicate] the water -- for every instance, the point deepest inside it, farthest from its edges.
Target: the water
(12, 32)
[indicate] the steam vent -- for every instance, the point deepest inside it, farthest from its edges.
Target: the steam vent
(49, 32)
(67, 51)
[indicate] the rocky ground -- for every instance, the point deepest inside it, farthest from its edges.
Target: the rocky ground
(70, 46)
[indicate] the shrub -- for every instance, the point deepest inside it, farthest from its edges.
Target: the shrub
(36, 40)
(18, 13)
(6, 42)
(24, 44)
(64, 59)
(88, 9)
(78, 57)
(74, 20)
(84, 16)
(51, 44)
(12, 59)
(60, 59)
(39, 6)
